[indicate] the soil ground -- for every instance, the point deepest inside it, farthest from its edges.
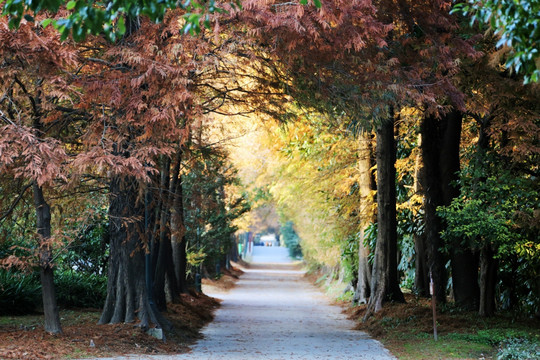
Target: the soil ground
(407, 330)
(23, 338)
(278, 321)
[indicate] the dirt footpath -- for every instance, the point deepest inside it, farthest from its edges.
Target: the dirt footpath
(274, 313)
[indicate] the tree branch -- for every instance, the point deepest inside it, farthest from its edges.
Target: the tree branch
(14, 204)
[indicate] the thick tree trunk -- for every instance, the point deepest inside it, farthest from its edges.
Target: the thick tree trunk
(433, 199)
(367, 213)
(127, 298)
(441, 141)
(488, 264)
(421, 279)
(384, 281)
(488, 281)
(43, 224)
(463, 260)
(178, 235)
(164, 264)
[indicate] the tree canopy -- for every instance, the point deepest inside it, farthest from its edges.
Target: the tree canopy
(517, 24)
(80, 18)
(386, 137)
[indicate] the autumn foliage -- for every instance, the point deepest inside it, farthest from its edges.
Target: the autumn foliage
(128, 128)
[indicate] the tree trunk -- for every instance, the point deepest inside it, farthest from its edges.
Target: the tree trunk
(421, 279)
(488, 281)
(367, 214)
(43, 224)
(127, 298)
(178, 232)
(463, 260)
(433, 199)
(384, 281)
(488, 264)
(164, 264)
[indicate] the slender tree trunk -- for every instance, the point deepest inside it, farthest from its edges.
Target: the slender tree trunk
(127, 298)
(384, 281)
(43, 223)
(421, 279)
(365, 180)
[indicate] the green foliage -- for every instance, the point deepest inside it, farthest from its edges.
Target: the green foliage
(518, 349)
(492, 337)
(82, 290)
(19, 293)
(407, 261)
(88, 252)
(496, 209)
(349, 257)
(291, 240)
(108, 18)
(517, 22)
(209, 211)
(488, 209)
(370, 240)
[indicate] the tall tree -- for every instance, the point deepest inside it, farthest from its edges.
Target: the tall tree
(362, 291)
(385, 282)
(440, 150)
(34, 112)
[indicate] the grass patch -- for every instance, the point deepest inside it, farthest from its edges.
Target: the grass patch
(407, 331)
(446, 347)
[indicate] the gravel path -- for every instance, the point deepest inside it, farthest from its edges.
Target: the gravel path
(275, 314)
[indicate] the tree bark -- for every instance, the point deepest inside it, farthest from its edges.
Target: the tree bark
(463, 260)
(43, 224)
(421, 279)
(178, 233)
(164, 264)
(365, 180)
(433, 199)
(384, 281)
(488, 263)
(127, 298)
(441, 141)
(488, 281)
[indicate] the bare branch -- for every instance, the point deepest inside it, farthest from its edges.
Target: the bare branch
(14, 204)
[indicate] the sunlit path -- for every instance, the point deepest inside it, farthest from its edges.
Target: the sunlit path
(275, 314)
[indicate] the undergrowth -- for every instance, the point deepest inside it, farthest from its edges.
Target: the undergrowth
(407, 330)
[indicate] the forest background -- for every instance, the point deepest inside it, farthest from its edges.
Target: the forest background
(397, 142)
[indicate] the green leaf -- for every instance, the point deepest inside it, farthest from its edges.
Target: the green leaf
(46, 22)
(121, 25)
(71, 5)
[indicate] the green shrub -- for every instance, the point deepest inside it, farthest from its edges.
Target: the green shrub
(518, 349)
(77, 289)
(19, 293)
